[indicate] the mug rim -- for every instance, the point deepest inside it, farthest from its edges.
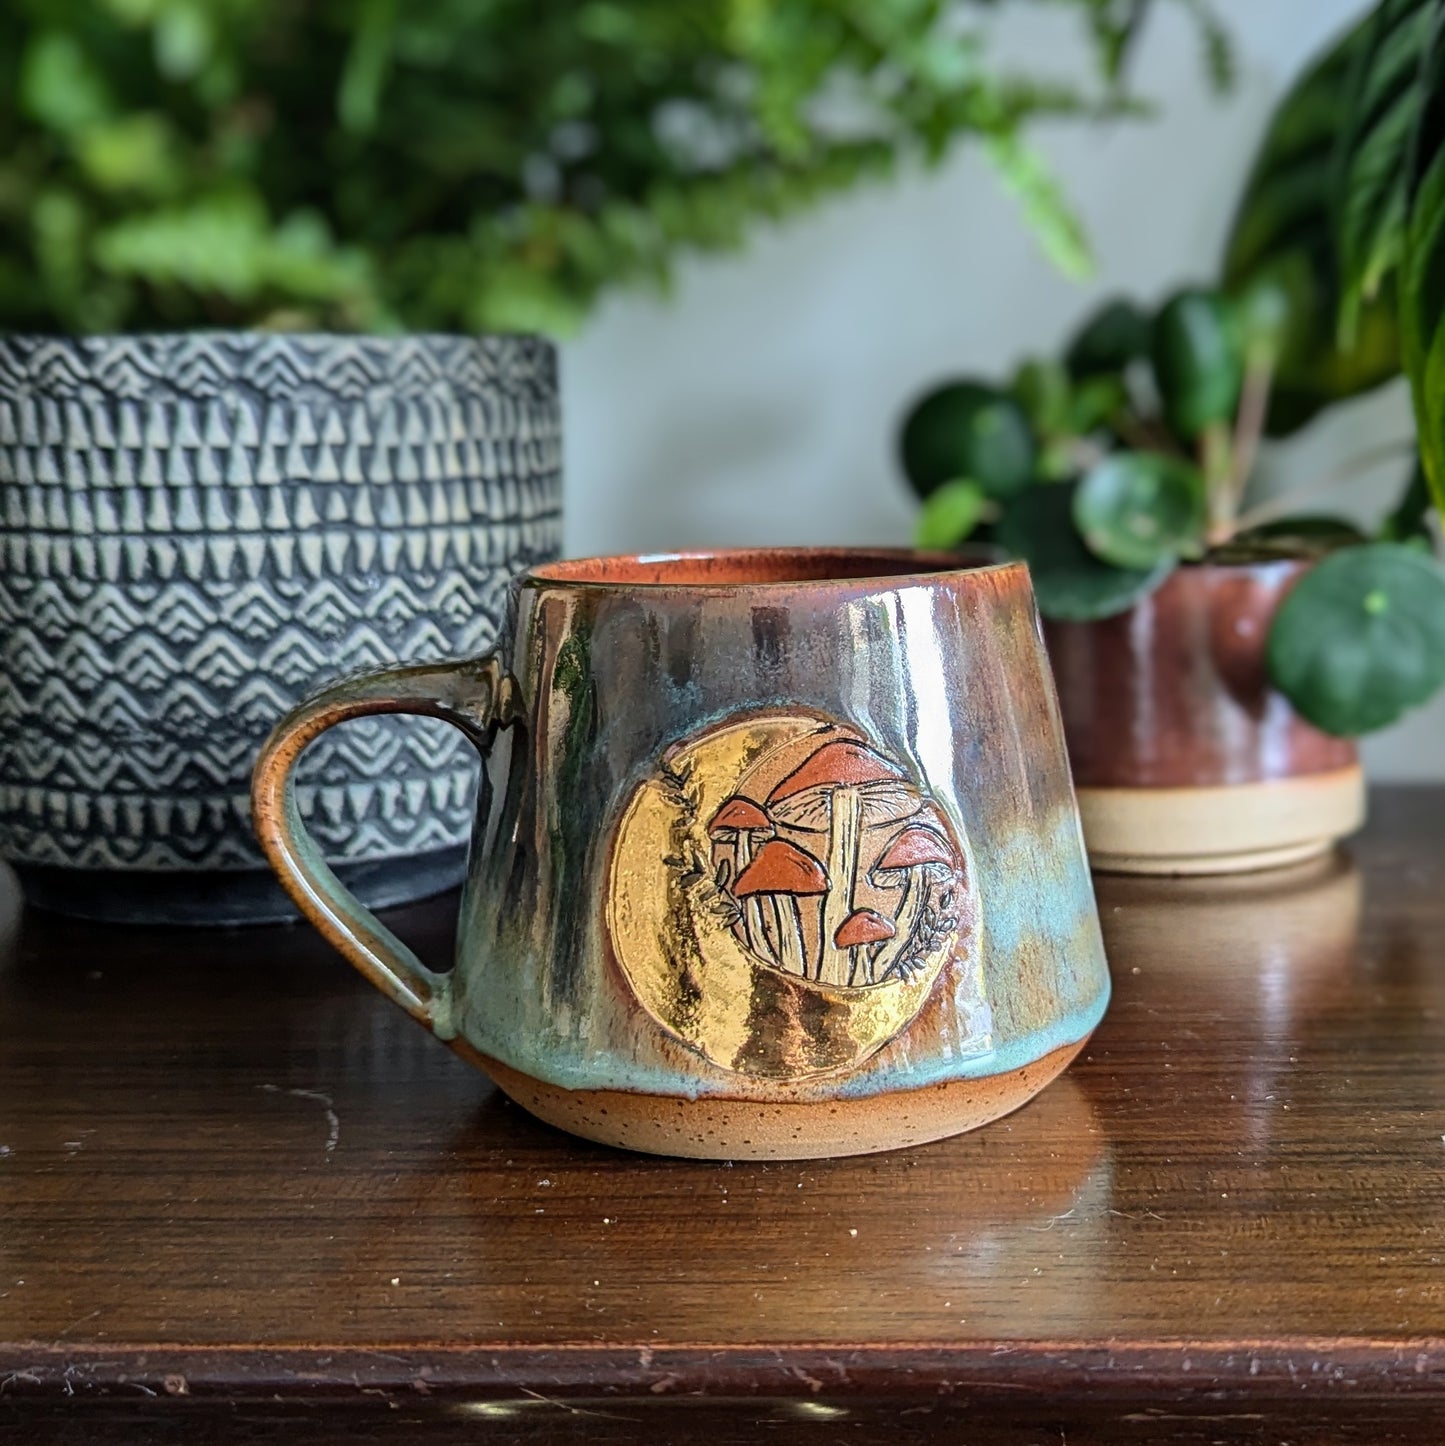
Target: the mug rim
(627, 571)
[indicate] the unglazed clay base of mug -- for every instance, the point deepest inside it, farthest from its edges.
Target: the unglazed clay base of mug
(733, 1129)
(1223, 829)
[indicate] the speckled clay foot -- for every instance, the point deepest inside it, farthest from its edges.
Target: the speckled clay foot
(722, 1129)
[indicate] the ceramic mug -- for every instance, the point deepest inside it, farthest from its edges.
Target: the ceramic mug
(786, 861)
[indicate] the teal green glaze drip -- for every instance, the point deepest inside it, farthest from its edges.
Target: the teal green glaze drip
(615, 1074)
(1038, 908)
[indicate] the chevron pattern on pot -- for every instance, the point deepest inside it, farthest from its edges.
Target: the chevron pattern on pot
(197, 530)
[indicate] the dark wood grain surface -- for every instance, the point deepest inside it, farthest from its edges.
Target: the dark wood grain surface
(233, 1179)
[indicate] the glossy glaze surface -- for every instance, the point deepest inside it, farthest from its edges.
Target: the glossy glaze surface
(230, 1162)
(780, 826)
(1174, 692)
(942, 678)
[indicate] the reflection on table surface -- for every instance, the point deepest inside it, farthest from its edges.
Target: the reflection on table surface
(224, 1134)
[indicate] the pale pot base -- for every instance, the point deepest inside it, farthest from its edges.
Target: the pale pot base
(1221, 829)
(733, 1129)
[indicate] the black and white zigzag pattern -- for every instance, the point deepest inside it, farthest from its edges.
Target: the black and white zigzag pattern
(197, 530)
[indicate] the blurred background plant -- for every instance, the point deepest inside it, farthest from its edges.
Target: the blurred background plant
(1152, 421)
(476, 164)
(1134, 455)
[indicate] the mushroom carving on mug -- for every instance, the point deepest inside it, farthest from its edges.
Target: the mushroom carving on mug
(784, 897)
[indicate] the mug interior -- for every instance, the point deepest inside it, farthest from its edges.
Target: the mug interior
(757, 566)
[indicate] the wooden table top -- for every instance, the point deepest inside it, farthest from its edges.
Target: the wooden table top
(230, 1172)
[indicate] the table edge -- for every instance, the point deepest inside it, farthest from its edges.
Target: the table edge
(1264, 1368)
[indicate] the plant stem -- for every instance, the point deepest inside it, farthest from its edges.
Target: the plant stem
(1216, 462)
(1142, 435)
(1273, 507)
(1249, 428)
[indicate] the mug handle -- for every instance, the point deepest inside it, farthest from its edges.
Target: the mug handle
(474, 695)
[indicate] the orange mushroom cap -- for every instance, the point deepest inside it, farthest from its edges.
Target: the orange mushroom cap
(739, 815)
(914, 846)
(865, 926)
(841, 762)
(781, 868)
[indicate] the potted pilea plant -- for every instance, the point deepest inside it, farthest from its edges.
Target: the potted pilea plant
(250, 436)
(1214, 655)
(1217, 652)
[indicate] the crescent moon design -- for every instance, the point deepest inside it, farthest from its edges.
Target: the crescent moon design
(783, 895)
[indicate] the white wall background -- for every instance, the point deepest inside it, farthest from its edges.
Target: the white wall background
(757, 404)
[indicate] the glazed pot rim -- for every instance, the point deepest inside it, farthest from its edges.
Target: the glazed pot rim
(1244, 564)
(768, 569)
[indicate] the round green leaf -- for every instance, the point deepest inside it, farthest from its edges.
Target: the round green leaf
(966, 429)
(1115, 335)
(1135, 509)
(951, 513)
(1196, 361)
(1071, 584)
(1042, 389)
(1095, 402)
(1361, 638)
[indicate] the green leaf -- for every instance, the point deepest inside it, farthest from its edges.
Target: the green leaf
(968, 429)
(1218, 48)
(1262, 317)
(61, 86)
(1071, 584)
(59, 222)
(1422, 277)
(1361, 638)
(1196, 361)
(1058, 229)
(950, 514)
(1095, 402)
(183, 39)
(1140, 509)
(1283, 233)
(213, 245)
(225, 245)
(1113, 336)
(497, 163)
(367, 62)
(1383, 105)
(135, 154)
(1042, 389)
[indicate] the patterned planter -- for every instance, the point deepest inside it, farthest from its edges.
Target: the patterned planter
(195, 531)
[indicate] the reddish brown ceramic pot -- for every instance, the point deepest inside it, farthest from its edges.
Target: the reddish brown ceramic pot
(1186, 758)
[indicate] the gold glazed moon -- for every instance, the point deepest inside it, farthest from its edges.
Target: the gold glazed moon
(782, 896)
